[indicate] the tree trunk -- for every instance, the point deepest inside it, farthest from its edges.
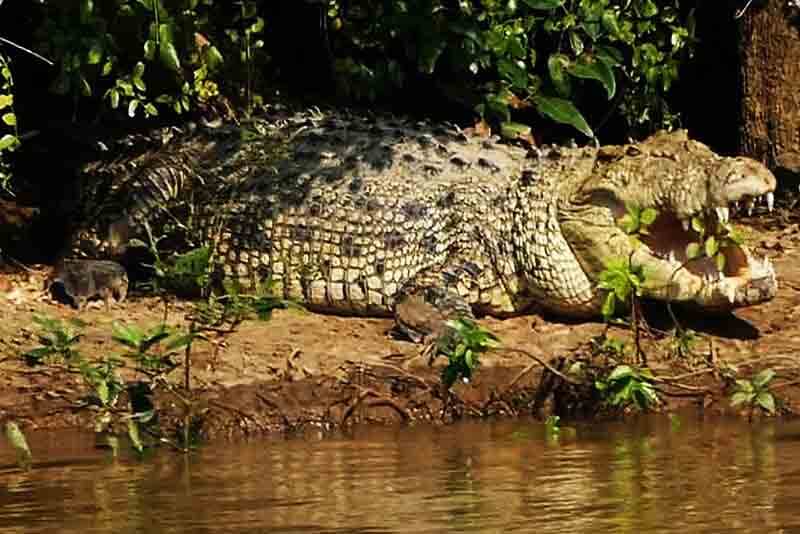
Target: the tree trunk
(770, 84)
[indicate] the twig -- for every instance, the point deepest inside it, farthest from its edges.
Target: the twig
(543, 364)
(519, 376)
(31, 52)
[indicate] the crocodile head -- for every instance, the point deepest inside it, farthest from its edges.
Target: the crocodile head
(689, 253)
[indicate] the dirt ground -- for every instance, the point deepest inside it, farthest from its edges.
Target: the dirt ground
(302, 371)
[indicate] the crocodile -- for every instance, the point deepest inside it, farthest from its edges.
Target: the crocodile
(385, 216)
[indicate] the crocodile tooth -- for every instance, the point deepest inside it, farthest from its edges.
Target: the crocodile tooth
(731, 293)
(749, 203)
(685, 223)
(770, 201)
(723, 214)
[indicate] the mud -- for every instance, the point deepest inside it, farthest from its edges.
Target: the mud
(302, 371)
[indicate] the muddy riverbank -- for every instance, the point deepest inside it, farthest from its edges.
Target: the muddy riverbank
(307, 371)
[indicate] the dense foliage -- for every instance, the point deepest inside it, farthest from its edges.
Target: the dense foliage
(557, 56)
(576, 62)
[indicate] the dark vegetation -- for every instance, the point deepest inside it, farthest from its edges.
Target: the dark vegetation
(593, 67)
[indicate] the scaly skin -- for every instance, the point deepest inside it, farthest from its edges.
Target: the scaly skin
(363, 216)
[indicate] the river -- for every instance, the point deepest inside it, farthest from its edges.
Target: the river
(650, 474)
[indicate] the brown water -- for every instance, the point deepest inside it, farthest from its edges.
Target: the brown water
(642, 476)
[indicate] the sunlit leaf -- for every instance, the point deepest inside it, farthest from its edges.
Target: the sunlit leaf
(766, 401)
(711, 246)
(563, 111)
(763, 378)
(619, 372)
(543, 4)
(134, 436)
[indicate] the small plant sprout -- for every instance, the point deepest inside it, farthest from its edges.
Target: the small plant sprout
(755, 393)
(628, 386)
(552, 426)
(636, 220)
(463, 346)
(58, 340)
(623, 282)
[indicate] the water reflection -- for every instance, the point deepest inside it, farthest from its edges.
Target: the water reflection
(477, 477)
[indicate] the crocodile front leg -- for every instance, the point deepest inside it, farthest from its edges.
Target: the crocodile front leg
(463, 288)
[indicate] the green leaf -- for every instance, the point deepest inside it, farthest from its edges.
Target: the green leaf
(132, 105)
(609, 305)
(138, 70)
(514, 130)
(693, 250)
(149, 49)
(740, 397)
(648, 216)
(596, 70)
(698, 225)
(10, 119)
(178, 342)
(514, 72)
(86, 89)
(257, 26)
(720, 261)
(8, 141)
(546, 5)
(556, 66)
(6, 100)
(609, 55)
(763, 378)
(619, 372)
(86, 9)
(766, 401)
(213, 57)
(169, 56)
(744, 385)
(564, 112)
(711, 247)
(114, 94)
(133, 435)
(101, 387)
(95, 54)
(576, 43)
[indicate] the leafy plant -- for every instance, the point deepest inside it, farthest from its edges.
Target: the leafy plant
(755, 392)
(58, 340)
(9, 138)
(552, 426)
(610, 346)
(151, 349)
(462, 345)
(623, 282)
(628, 386)
(637, 219)
(552, 56)
(105, 48)
(683, 341)
(713, 241)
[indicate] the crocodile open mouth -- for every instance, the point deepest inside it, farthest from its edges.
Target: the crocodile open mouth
(706, 261)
